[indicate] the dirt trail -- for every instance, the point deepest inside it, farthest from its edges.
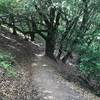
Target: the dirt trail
(49, 83)
(37, 80)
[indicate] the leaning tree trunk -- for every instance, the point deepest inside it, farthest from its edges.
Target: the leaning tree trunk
(13, 24)
(59, 54)
(69, 54)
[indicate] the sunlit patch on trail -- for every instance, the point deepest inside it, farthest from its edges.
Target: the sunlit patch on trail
(44, 65)
(49, 98)
(34, 64)
(47, 91)
(39, 55)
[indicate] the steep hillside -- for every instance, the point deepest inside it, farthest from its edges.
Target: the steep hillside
(37, 78)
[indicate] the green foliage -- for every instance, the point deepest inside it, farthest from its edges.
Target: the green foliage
(8, 6)
(6, 62)
(90, 60)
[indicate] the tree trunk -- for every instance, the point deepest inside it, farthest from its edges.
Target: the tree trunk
(50, 44)
(32, 36)
(60, 50)
(13, 24)
(59, 54)
(34, 27)
(14, 30)
(50, 47)
(69, 54)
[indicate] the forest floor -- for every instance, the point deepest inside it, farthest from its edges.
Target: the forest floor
(37, 77)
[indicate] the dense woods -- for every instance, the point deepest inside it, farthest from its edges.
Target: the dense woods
(67, 27)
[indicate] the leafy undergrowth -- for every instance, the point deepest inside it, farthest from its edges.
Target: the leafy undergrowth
(90, 65)
(6, 62)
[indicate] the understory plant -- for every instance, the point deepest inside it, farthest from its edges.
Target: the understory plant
(89, 64)
(6, 62)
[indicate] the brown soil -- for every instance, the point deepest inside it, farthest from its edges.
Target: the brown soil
(36, 77)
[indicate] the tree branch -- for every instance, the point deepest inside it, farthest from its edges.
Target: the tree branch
(44, 16)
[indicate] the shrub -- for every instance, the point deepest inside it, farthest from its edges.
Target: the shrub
(90, 65)
(6, 62)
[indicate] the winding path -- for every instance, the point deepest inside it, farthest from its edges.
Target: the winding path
(40, 74)
(49, 84)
